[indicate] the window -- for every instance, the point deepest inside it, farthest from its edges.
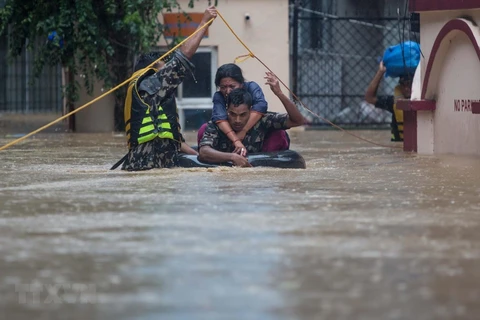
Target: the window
(202, 88)
(195, 97)
(191, 91)
(199, 88)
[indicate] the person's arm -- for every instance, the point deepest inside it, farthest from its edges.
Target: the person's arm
(294, 117)
(210, 142)
(259, 107)
(164, 82)
(191, 45)
(219, 110)
(232, 136)
(371, 93)
(219, 117)
(208, 154)
(185, 148)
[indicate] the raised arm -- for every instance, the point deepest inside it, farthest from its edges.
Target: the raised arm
(190, 47)
(371, 93)
(166, 80)
(295, 118)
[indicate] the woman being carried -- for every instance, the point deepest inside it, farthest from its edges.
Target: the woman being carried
(229, 77)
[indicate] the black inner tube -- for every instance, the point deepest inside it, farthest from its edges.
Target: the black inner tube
(287, 159)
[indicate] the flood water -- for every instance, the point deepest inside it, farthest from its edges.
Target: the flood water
(364, 232)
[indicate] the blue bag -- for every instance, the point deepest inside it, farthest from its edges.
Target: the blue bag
(402, 59)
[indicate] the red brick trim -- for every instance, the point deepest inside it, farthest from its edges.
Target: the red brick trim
(452, 25)
(416, 105)
(410, 131)
(410, 108)
(435, 5)
(476, 107)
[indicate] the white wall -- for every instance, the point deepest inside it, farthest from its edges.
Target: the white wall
(98, 117)
(432, 22)
(266, 34)
(457, 131)
(455, 76)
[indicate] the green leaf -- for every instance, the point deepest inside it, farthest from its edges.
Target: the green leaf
(96, 38)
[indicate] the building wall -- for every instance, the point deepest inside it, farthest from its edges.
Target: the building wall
(458, 130)
(454, 82)
(432, 22)
(98, 117)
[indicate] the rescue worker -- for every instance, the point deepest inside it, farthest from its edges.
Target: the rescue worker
(153, 137)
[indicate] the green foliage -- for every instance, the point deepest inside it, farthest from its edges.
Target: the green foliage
(97, 39)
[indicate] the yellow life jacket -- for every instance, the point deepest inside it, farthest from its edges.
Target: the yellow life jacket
(140, 124)
(397, 123)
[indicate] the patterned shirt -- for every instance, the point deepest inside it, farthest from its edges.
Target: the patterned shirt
(158, 90)
(253, 141)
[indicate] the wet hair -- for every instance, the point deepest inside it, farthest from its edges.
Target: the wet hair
(229, 70)
(239, 96)
(146, 59)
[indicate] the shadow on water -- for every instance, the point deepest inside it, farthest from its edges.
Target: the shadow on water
(363, 233)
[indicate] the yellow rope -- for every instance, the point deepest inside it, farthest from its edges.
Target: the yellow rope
(103, 95)
(242, 58)
(251, 54)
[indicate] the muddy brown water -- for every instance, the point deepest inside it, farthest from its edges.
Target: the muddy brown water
(364, 232)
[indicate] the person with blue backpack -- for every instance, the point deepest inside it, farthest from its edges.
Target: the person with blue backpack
(398, 61)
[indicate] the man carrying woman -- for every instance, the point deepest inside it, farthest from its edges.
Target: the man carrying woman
(228, 78)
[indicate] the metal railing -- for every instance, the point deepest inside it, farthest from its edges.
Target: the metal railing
(336, 48)
(20, 92)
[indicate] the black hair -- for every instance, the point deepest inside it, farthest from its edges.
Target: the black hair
(405, 78)
(146, 59)
(229, 70)
(239, 96)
